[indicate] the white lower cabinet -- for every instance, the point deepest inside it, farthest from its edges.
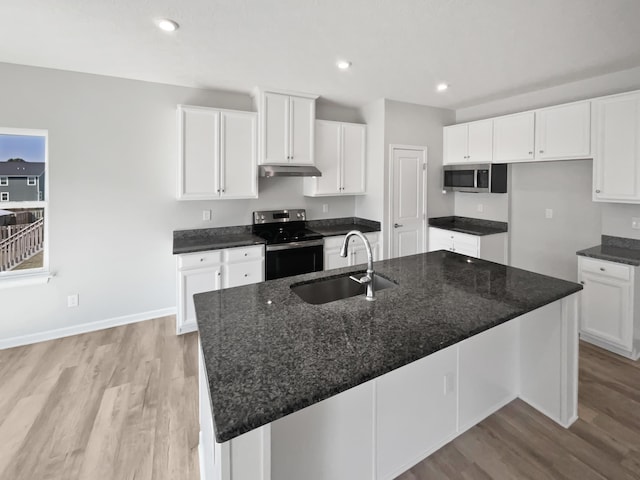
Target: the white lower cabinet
(213, 270)
(416, 409)
(357, 252)
(487, 247)
(329, 440)
(608, 314)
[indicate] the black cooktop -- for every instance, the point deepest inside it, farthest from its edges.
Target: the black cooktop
(285, 233)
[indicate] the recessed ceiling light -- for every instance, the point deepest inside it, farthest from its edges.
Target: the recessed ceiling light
(343, 64)
(442, 87)
(167, 25)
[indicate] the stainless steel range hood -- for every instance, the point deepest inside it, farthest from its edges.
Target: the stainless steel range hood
(289, 171)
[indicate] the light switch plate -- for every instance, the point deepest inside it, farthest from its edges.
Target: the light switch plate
(206, 215)
(548, 213)
(325, 207)
(480, 208)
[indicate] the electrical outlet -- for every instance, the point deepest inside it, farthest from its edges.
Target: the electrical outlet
(325, 207)
(206, 215)
(548, 213)
(635, 223)
(73, 300)
(480, 208)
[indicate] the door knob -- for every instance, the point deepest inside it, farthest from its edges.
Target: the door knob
(397, 225)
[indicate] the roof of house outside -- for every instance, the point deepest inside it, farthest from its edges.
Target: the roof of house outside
(6, 212)
(21, 169)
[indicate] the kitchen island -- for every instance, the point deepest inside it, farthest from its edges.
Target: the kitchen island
(357, 389)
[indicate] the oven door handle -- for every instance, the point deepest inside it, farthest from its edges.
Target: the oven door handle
(290, 245)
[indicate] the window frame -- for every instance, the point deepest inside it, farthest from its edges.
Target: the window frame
(4, 181)
(4, 196)
(32, 275)
(32, 179)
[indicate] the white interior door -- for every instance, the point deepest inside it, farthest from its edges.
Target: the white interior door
(408, 201)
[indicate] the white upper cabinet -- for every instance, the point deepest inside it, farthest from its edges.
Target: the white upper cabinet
(616, 130)
(455, 144)
(287, 128)
(563, 132)
(218, 154)
(469, 143)
(340, 154)
(513, 138)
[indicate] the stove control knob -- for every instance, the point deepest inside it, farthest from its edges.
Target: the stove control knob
(261, 217)
(298, 214)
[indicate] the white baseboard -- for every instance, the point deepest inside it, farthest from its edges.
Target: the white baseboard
(632, 355)
(83, 328)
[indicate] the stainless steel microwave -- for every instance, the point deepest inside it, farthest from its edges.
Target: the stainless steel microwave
(476, 178)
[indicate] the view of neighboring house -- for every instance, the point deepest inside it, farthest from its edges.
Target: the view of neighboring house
(21, 181)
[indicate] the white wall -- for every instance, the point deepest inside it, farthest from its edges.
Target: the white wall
(609, 84)
(411, 124)
(544, 245)
(495, 206)
(616, 220)
(371, 206)
(112, 150)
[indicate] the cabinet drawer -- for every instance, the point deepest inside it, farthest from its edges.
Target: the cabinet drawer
(242, 254)
(610, 269)
(238, 274)
(200, 259)
(461, 240)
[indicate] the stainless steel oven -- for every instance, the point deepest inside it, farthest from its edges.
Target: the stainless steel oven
(292, 249)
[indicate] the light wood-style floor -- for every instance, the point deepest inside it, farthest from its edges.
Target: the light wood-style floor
(116, 404)
(122, 404)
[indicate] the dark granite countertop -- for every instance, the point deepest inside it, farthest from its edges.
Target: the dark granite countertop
(615, 249)
(269, 354)
(342, 226)
(202, 239)
(471, 226)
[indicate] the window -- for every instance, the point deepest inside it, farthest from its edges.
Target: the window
(24, 209)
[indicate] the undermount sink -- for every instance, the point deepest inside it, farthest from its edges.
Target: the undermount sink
(337, 288)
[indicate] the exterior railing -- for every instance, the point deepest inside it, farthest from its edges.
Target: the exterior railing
(10, 230)
(21, 246)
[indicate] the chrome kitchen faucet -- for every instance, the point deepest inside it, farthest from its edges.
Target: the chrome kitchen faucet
(368, 278)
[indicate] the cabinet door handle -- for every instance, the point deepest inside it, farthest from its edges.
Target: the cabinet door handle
(218, 273)
(530, 153)
(202, 259)
(397, 225)
(602, 269)
(541, 151)
(597, 191)
(246, 274)
(582, 282)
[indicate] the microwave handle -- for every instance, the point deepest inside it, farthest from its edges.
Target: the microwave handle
(475, 178)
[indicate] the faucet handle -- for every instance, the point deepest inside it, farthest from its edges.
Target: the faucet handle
(364, 280)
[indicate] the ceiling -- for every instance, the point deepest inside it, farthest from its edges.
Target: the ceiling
(400, 49)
